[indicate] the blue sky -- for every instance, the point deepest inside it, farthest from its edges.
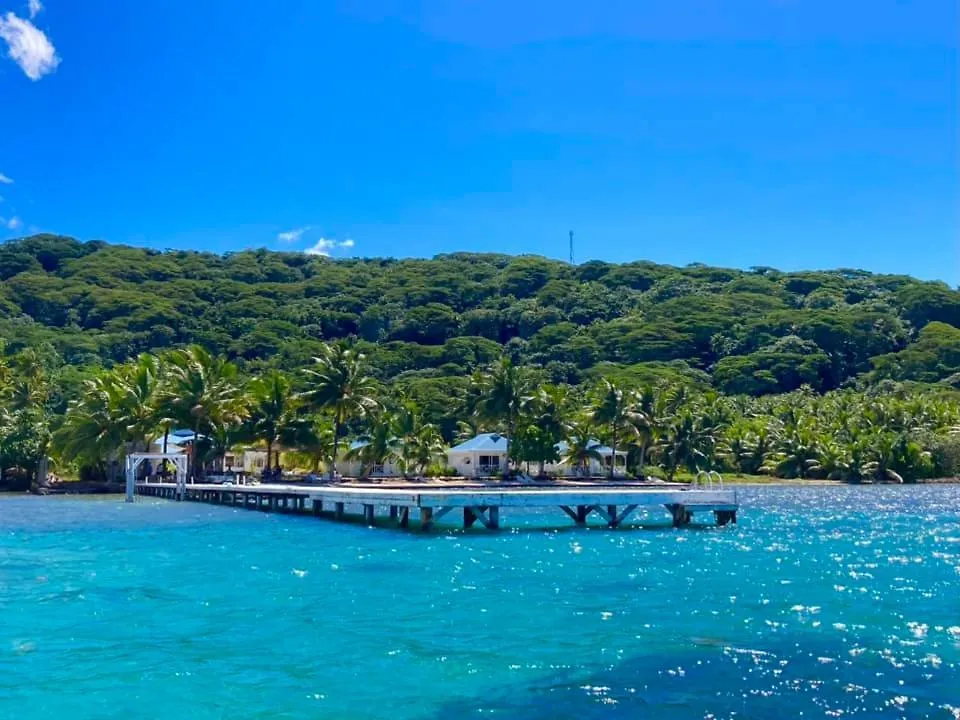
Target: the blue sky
(791, 133)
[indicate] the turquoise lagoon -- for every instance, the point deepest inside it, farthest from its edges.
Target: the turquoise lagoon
(822, 602)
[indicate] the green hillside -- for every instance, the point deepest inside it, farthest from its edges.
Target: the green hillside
(852, 375)
(755, 332)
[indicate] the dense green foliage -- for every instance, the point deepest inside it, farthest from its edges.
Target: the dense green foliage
(756, 332)
(885, 434)
(464, 342)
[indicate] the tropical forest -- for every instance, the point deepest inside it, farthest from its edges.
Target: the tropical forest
(833, 375)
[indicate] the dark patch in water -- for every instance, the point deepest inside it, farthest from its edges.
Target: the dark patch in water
(793, 678)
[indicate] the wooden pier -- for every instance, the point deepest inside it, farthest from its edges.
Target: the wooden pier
(474, 505)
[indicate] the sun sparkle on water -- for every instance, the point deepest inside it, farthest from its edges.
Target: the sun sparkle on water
(831, 602)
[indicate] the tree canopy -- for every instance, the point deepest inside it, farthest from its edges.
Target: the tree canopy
(757, 331)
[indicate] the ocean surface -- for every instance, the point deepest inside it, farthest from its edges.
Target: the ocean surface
(822, 602)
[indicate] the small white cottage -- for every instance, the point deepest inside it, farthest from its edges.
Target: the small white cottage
(349, 465)
(244, 460)
(595, 467)
(486, 455)
(480, 456)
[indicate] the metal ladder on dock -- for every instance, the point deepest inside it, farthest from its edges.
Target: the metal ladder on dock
(705, 479)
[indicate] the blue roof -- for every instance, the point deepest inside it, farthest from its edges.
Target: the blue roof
(176, 438)
(488, 442)
(563, 447)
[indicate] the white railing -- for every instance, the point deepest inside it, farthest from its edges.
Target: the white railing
(711, 480)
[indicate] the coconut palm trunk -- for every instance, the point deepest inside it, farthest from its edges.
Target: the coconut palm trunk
(193, 450)
(336, 448)
(613, 454)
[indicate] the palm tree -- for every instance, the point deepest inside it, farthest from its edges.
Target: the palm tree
(502, 396)
(830, 460)
(340, 386)
(645, 418)
(686, 443)
(314, 439)
(543, 425)
(203, 392)
(614, 407)
(581, 446)
(468, 428)
(378, 445)
(796, 452)
(416, 443)
(163, 413)
(138, 387)
(94, 428)
(737, 446)
(420, 447)
(274, 410)
(217, 442)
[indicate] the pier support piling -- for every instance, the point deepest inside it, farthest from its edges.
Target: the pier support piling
(469, 518)
(579, 516)
(681, 516)
(426, 518)
(475, 506)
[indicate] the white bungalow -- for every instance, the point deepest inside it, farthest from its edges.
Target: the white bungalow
(483, 455)
(594, 467)
(246, 460)
(178, 441)
(349, 466)
(486, 454)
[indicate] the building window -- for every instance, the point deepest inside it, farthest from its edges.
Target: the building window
(490, 461)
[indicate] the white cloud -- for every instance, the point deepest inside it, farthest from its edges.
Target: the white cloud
(292, 235)
(324, 247)
(28, 46)
(321, 247)
(14, 223)
(5, 180)
(35, 7)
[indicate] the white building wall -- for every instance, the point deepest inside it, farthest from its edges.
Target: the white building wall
(470, 464)
(594, 468)
(353, 468)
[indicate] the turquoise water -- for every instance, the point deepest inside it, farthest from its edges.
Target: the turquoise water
(822, 602)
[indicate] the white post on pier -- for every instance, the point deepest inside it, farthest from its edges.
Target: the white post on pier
(135, 460)
(131, 475)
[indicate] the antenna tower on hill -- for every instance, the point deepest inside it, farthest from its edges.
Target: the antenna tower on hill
(571, 247)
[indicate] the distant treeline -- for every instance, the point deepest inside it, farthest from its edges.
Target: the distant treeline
(430, 323)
